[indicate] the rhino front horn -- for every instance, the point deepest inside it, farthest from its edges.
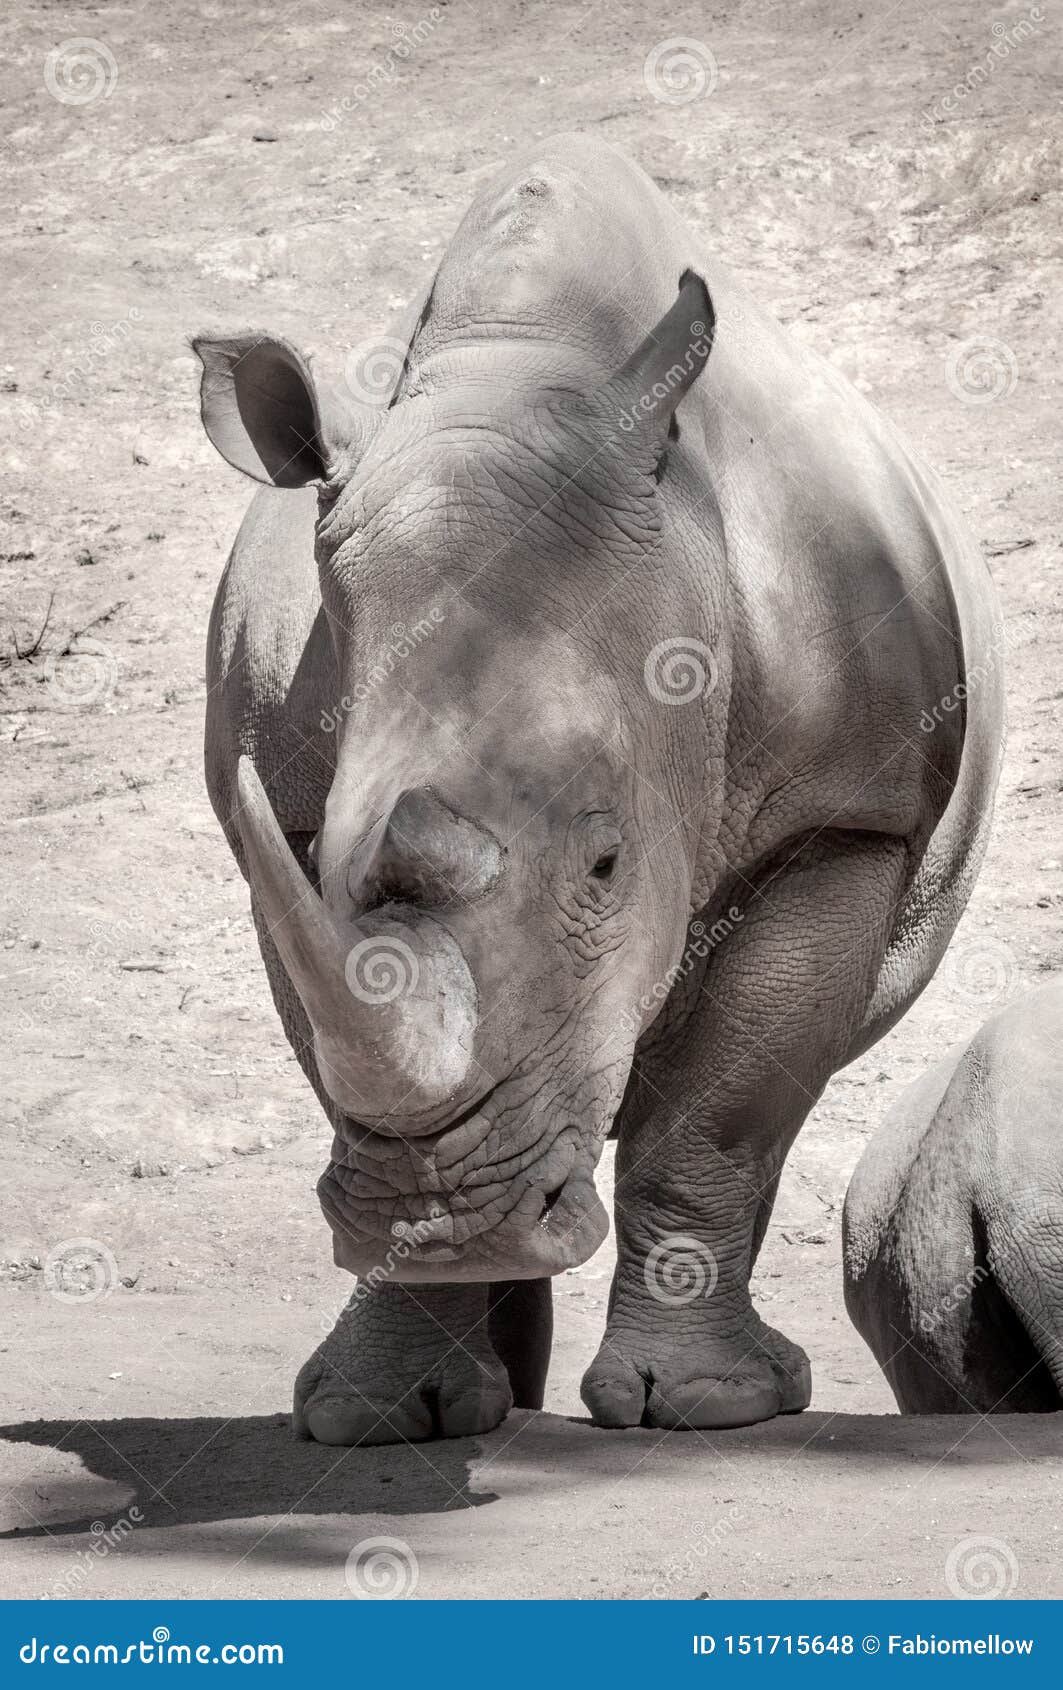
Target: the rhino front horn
(391, 1001)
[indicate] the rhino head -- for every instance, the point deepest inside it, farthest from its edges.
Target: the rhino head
(510, 851)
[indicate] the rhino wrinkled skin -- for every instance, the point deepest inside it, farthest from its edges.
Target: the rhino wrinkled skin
(568, 718)
(954, 1224)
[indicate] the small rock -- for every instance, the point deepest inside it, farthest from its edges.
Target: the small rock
(265, 135)
(145, 1169)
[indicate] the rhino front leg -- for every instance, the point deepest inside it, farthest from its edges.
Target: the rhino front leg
(404, 1363)
(699, 1160)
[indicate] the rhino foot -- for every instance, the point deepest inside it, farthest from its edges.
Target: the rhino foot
(696, 1382)
(403, 1364)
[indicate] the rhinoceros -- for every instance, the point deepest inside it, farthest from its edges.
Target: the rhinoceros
(954, 1224)
(567, 717)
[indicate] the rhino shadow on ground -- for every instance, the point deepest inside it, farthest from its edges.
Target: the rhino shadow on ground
(870, 1437)
(211, 1469)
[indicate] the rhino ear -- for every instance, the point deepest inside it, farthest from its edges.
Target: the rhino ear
(646, 391)
(265, 412)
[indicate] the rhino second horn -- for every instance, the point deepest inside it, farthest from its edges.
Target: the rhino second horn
(391, 1001)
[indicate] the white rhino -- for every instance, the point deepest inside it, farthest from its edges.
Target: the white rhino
(642, 831)
(954, 1224)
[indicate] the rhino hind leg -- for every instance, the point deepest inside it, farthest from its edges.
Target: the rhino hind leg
(953, 1242)
(520, 1324)
(986, 1363)
(970, 1351)
(404, 1363)
(1025, 1250)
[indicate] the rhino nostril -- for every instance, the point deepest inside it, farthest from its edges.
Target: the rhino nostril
(423, 853)
(549, 1199)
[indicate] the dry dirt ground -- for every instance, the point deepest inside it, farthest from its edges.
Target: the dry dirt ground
(230, 172)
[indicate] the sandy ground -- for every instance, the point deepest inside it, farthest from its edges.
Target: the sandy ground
(228, 172)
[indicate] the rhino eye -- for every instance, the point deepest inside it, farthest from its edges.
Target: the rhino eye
(603, 868)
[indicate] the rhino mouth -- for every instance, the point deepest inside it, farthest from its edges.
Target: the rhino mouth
(563, 1238)
(474, 1200)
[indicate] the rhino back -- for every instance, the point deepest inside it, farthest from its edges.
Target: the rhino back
(856, 591)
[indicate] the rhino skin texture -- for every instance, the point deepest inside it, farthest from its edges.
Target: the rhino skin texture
(954, 1224)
